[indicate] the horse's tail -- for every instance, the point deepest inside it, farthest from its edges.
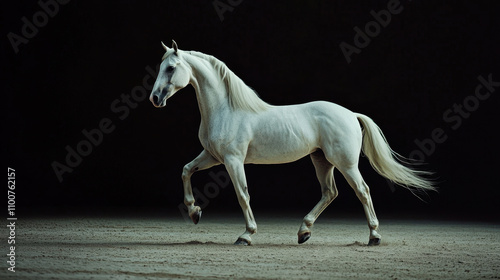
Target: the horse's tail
(389, 163)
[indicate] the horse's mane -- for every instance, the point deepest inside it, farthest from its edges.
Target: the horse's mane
(240, 95)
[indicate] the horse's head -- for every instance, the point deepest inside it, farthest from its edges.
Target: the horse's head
(174, 75)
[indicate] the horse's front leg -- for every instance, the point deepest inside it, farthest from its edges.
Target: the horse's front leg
(202, 161)
(235, 168)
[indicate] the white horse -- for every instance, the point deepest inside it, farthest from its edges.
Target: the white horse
(237, 127)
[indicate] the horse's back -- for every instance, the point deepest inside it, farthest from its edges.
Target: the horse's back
(287, 133)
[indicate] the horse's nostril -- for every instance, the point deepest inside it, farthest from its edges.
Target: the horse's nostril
(155, 99)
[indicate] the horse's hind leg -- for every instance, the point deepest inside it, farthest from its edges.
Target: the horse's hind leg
(324, 172)
(355, 180)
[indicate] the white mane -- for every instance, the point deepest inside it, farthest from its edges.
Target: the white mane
(240, 95)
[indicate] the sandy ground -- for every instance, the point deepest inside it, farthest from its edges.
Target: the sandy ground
(170, 248)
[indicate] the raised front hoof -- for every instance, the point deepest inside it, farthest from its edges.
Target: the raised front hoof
(242, 242)
(304, 237)
(374, 242)
(196, 217)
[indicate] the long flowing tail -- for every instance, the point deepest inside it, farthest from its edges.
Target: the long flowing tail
(389, 163)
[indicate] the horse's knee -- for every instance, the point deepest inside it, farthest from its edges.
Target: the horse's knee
(186, 172)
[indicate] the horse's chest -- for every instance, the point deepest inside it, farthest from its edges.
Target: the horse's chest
(222, 142)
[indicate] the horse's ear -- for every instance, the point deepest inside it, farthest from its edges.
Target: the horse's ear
(174, 45)
(164, 46)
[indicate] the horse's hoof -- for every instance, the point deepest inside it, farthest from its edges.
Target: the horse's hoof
(304, 237)
(242, 241)
(196, 217)
(374, 242)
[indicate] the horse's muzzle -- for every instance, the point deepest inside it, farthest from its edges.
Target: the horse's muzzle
(158, 99)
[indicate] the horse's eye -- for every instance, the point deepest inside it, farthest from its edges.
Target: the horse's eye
(170, 68)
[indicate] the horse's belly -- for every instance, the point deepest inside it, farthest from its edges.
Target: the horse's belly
(278, 152)
(284, 134)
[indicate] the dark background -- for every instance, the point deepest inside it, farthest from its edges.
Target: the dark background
(91, 52)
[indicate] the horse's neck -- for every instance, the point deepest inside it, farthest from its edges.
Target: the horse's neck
(211, 92)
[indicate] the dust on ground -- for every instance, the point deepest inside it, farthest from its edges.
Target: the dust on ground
(171, 248)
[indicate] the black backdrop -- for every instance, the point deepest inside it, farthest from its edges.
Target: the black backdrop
(84, 55)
